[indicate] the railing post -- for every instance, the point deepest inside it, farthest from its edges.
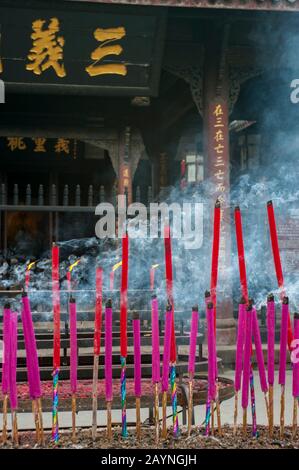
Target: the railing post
(15, 195)
(28, 195)
(78, 196)
(40, 197)
(90, 196)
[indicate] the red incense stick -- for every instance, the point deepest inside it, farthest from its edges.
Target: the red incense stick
(123, 327)
(215, 256)
(169, 286)
(56, 345)
(277, 262)
(96, 347)
(241, 254)
(244, 289)
(169, 289)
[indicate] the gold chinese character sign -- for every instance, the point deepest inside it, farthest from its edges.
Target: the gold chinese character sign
(47, 48)
(106, 37)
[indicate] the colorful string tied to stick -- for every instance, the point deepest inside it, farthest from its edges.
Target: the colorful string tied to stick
(174, 400)
(123, 396)
(55, 428)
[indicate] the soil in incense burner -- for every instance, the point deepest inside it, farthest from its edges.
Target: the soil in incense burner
(196, 440)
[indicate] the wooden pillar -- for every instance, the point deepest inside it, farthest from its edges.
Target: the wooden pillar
(217, 168)
(125, 178)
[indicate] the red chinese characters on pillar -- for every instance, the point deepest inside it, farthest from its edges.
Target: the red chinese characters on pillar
(219, 170)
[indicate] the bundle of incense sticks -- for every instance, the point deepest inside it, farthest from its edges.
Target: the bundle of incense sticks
(165, 369)
(239, 356)
(283, 359)
(123, 328)
(295, 387)
(32, 368)
(215, 256)
(246, 366)
(191, 363)
(212, 387)
(277, 262)
(244, 290)
(156, 361)
(6, 367)
(96, 348)
(271, 357)
(56, 345)
(208, 400)
(260, 357)
(73, 361)
(137, 370)
(169, 290)
(108, 365)
(13, 395)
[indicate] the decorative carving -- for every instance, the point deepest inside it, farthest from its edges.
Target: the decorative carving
(193, 76)
(108, 140)
(237, 76)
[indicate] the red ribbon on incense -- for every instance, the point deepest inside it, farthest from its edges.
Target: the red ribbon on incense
(277, 262)
(56, 306)
(124, 295)
(98, 312)
(169, 287)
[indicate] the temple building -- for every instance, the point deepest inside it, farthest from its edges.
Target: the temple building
(140, 97)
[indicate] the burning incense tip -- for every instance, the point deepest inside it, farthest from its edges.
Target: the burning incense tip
(270, 298)
(249, 308)
(109, 303)
(210, 305)
(135, 316)
(237, 208)
(30, 265)
(207, 294)
(7, 306)
(154, 296)
(250, 302)
(168, 306)
(72, 300)
(217, 203)
(269, 203)
(285, 300)
(73, 265)
(195, 308)
(243, 301)
(296, 316)
(24, 293)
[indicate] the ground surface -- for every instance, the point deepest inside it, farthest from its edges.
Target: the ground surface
(196, 441)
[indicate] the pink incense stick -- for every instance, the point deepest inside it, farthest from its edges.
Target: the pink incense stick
(259, 351)
(166, 352)
(240, 344)
(296, 362)
(271, 338)
(6, 345)
(31, 350)
(108, 351)
(13, 394)
(283, 341)
(137, 354)
(211, 351)
(155, 341)
(74, 345)
(193, 338)
(247, 357)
